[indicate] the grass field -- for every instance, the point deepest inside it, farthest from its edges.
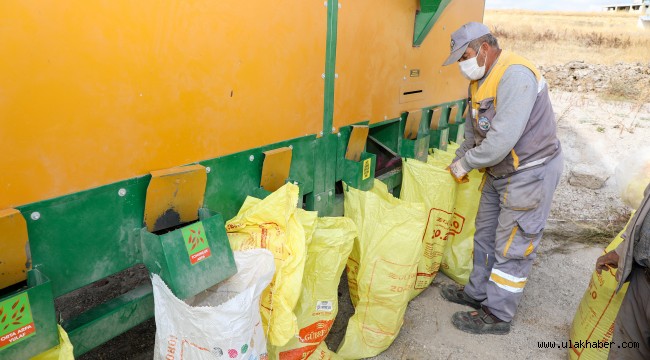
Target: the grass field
(549, 38)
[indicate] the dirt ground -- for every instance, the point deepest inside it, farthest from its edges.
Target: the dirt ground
(597, 135)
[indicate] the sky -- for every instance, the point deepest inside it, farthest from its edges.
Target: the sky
(559, 5)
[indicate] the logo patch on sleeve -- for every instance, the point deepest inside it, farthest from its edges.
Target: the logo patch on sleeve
(484, 123)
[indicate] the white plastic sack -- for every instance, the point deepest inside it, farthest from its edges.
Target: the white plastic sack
(222, 322)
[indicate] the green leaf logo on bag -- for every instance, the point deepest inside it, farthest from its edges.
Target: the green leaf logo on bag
(196, 242)
(16, 323)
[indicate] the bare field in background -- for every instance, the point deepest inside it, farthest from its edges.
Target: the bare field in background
(553, 38)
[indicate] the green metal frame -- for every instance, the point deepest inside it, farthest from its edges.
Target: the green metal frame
(330, 64)
(418, 148)
(110, 319)
(87, 236)
(457, 130)
(323, 197)
(430, 11)
(84, 237)
(360, 174)
(167, 256)
(440, 138)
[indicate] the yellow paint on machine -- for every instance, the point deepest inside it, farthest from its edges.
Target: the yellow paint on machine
(276, 167)
(174, 196)
(375, 59)
(14, 260)
(94, 92)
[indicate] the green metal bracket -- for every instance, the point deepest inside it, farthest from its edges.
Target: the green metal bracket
(321, 199)
(430, 11)
(76, 232)
(110, 319)
(330, 64)
(415, 149)
(457, 133)
(260, 193)
(418, 148)
(323, 202)
(393, 180)
(325, 162)
(457, 129)
(439, 139)
(236, 176)
(440, 135)
(341, 147)
(447, 129)
(388, 133)
(193, 258)
(360, 174)
(28, 320)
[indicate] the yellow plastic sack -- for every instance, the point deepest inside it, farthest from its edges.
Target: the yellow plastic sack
(437, 162)
(458, 257)
(352, 269)
(436, 189)
(457, 260)
(594, 319)
(306, 218)
(277, 225)
(441, 158)
(386, 256)
(63, 351)
(323, 353)
(452, 147)
(318, 305)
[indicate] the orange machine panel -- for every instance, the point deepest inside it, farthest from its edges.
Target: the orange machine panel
(380, 73)
(15, 259)
(94, 91)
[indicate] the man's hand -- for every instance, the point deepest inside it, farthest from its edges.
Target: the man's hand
(458, 172)
(607, 261)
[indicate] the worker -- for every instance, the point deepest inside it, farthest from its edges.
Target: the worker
(632, 258)
(510, 134)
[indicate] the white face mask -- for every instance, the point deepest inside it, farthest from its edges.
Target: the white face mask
(470, 68)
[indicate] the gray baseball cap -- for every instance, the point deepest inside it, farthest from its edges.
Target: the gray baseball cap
(461, 38)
